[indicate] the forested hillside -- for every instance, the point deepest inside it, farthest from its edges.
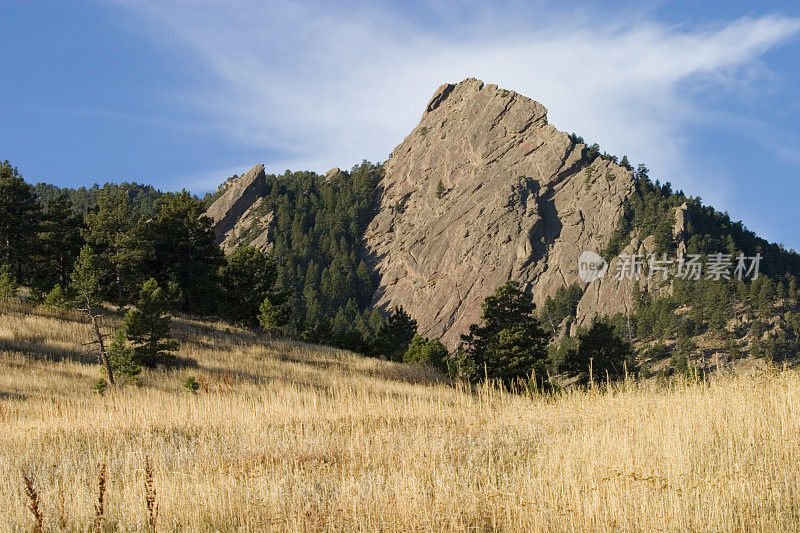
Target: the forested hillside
(319, 256)
(650, 210)
(315, 281)
(756, 316)
(313, 285)
(83, 200)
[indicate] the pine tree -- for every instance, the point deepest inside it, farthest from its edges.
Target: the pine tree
(779, 348)
(376, 321)
(732, 349)
(246, 279)
(393, 339)
(364, 278)
(19, 219)
(600, 354)
(111, 230)
(564, 304)
(8, 284)
(685, 348)
(60, 242)
(184, 251)
(766, 297)
(85, 285)
(271, 317)
(121, 357)
(86, 275)
(147, 327)
(510, 344)
(679, 360)
(423, 351)
(57, 298)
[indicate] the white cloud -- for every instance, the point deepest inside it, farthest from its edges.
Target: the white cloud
(325, 86)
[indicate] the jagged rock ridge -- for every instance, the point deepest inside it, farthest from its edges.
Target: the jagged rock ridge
(483, 190)
(234, 213)
(517, 200)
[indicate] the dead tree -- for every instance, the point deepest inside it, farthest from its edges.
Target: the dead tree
(102, 355)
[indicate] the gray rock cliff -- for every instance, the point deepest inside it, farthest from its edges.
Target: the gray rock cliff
(521, 202)
(233, 213)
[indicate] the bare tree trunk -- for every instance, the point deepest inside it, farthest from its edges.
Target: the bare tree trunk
(103, 355)
(628, 317)
(119, 288)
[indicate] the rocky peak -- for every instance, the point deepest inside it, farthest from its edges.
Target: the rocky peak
(229, 211)
(484, 189)
(333, 174)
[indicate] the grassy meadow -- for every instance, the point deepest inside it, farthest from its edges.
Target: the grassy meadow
(285, 436)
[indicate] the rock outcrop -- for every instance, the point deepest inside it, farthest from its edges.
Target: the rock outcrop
(484, 189)
(681, 228)
(334, 173)
(234, 212)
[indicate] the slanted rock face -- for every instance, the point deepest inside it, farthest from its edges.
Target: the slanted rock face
(333, 174)
(517, 201)
(233, 213)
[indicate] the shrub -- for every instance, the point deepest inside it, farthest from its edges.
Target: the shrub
(147, 327)
(100, 386)
(121, 357)
(424, 351)
(601, 353)
(441, 190)
(57, 298)
(191, 384)
(460, 366)
(8, 284)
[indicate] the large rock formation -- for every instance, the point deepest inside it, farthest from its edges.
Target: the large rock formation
(484, 190)
(234, 212)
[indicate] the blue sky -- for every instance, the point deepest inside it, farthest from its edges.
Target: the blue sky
(183, 94)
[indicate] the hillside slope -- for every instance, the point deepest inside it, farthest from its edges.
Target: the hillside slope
(285, 436)
(483, 190)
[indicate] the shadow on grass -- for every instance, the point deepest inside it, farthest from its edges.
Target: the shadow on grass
(190, 329)
(339, 360)
(27, 309)
(12, 396)
(36, 348)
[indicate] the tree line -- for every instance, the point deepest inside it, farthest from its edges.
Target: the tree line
(141, 249)
(314, 285)
(151, 260)
(321, 264)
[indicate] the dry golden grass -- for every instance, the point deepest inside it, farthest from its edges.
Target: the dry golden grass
(291, 437)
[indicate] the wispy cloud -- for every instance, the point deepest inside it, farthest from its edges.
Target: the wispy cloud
(208, 180)
(790, 153)
(325, 86)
